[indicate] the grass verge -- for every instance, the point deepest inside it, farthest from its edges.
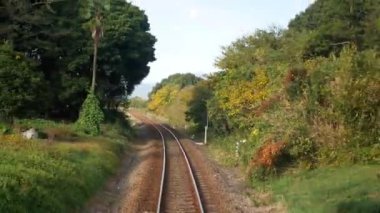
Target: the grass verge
(349, 189)
(58, 176)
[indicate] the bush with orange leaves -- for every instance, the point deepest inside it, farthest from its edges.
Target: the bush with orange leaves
(266, 159)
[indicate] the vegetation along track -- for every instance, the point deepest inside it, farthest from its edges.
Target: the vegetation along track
(178, 190)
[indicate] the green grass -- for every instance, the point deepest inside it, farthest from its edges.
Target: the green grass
(350, 189)
(223, 150)
(38, 176)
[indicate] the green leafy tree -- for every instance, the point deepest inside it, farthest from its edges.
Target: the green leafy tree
(126, 50)
(51, 35)
(91, 114)
(20, 84)
(179, 79)
(54, 41)
(197, 111)
(335, 23)
(138, 102)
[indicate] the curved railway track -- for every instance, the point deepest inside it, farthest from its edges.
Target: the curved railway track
(179, 191)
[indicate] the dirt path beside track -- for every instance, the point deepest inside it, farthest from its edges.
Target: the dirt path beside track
(132, 188)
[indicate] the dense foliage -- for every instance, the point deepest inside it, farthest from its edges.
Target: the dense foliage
(55, 41)
(46, 55)
(333, 23)
(170, 97)
(179, 79)
(17, 95)
(137, 102)
(303, 97)
(196, 112)
(90, 116)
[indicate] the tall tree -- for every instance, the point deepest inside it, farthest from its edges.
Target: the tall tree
(126, 50)
(179, 79)
(197, 111)
(20, 84)
(52, 36)
(53, 40)
(335, 23)
(93, 10)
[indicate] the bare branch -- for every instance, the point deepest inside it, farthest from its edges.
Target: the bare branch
(46, 2)
(340, 43)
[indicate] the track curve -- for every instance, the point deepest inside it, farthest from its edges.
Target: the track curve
(179, 191)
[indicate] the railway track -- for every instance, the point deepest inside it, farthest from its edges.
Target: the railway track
(179, 191)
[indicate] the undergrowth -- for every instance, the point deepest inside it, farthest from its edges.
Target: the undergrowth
(59, 175)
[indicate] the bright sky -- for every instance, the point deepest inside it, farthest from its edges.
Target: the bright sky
(190, 33)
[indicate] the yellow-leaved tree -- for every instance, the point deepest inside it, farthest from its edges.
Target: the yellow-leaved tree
(162, 97)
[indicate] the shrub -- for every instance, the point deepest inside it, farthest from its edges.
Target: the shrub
(116, 124)
(295, 82)
(356, 89)
(266, 160)
(4, 129)
(303, 149)
(90, 116)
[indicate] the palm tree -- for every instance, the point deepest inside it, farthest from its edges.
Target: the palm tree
(93, 10)
(97, 33)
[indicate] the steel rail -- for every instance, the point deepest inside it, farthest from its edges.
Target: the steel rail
(163, 159)
(195, 186)
(163, 166)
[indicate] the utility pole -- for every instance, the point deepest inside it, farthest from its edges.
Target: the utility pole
(206, 127)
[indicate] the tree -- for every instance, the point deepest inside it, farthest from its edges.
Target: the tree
(250, 68)
(163, 97)
(126, 50)
(51, 36)
(197, 111)
(138, 102)
(94, 10)
(335, 23)
(54, 41)
(20, 84)
(179, 79)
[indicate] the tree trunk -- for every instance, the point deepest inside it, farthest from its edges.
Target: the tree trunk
(94, 63)
(96, 34)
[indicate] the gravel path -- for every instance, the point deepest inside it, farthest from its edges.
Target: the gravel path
(229, 183)
(130, 190)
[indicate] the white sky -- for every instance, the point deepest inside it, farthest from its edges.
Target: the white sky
(190, 33)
